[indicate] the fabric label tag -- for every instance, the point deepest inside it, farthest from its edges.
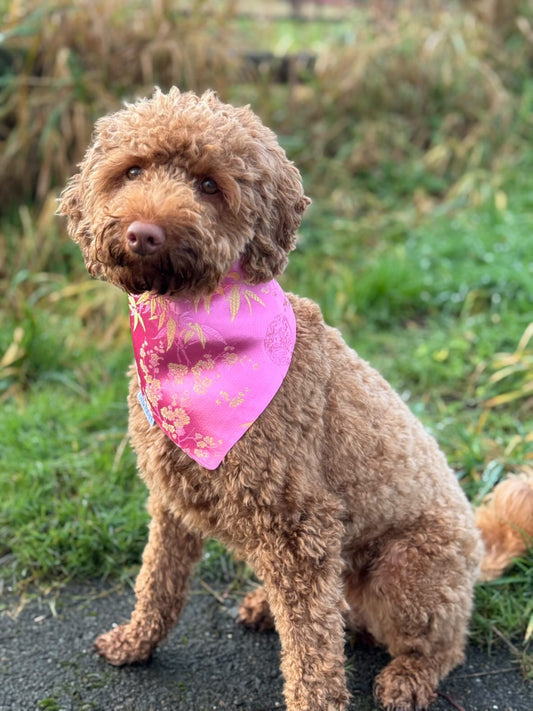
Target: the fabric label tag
(146, 408)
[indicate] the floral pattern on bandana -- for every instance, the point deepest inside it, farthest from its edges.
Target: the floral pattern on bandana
(208, 367)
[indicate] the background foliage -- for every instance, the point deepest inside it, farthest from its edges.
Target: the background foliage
(412, 124)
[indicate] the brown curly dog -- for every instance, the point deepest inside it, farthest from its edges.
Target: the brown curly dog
(336, 495)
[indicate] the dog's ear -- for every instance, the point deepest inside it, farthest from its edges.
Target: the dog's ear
(266, 256)
(69, 205)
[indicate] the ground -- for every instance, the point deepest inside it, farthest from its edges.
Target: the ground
(209, 662)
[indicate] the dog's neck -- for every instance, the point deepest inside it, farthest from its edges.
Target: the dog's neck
(209, 367)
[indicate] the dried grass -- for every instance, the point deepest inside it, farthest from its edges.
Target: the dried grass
(434, 85)
(69, 63)
(515, 371)
(422, 87)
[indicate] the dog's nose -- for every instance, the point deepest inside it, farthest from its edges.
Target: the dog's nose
(145, 237)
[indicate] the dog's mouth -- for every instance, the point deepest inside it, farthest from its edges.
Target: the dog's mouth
(165, 261)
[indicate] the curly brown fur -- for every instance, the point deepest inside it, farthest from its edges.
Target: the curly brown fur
(177, 140)
(337, 497)
(255, 611)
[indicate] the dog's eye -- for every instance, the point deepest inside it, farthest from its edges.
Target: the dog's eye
(208, 186)
(133, 172)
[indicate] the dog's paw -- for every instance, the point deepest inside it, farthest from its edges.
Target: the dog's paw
(404, 685)
(255, 611)
(123, 645)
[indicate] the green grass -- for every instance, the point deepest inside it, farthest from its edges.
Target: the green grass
(287, 36)
(71, 500)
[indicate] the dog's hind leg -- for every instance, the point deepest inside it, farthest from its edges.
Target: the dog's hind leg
(417, 601)
(160, 589)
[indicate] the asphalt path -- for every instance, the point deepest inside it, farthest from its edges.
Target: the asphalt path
(209, 662)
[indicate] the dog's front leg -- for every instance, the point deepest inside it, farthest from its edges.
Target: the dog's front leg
(160, 589)
(302, 576)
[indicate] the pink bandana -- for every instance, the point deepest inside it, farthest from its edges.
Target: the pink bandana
(209, 367)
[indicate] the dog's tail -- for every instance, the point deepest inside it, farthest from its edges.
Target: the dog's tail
(505, 519)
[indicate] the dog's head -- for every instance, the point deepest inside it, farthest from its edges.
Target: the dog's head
(177, 188)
